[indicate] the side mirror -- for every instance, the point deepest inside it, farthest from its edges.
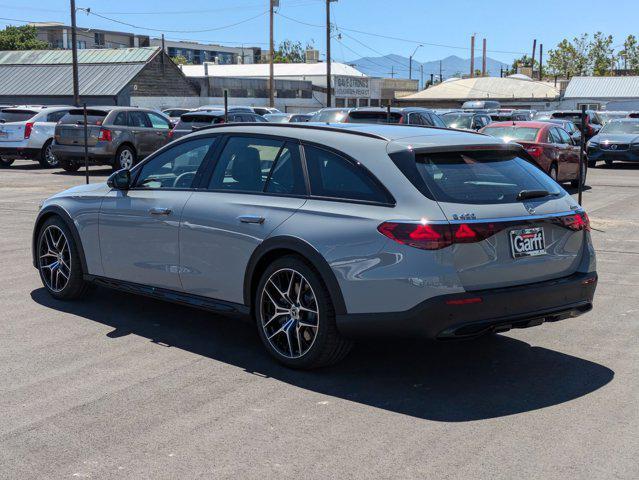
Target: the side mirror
(120, 180)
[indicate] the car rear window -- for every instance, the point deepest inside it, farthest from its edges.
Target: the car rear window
(331, 116)
(76, 117)
(374, 117)
(524, 134)
(572, 116)
(189, 121)
(15, 115)
(457, 121)
(481, 177)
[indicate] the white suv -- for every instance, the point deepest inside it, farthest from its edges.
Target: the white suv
(27, 132)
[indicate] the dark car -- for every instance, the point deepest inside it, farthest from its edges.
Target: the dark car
(117, 136)
(567, 125)
(505, 115)
(618, 140)
(549, 145)
(593, 120)
(403, 116)
(466, 120)
(192, 121)
(175, 113)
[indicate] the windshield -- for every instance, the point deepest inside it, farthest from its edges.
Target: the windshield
(14, 115)
(457, 121)
(508, 134)
(190, 120)
(330, 116)
(621, 127)
(481, 177)
(374, 117)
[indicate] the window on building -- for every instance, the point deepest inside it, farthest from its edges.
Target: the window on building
(98, 38)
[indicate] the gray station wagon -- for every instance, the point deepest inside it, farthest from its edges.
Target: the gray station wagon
(321, 234)
(117, 136)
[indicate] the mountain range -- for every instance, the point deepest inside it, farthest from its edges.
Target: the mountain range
(397, 66)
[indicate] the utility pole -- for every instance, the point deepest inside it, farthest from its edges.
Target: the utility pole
(483, 59)
(271, 54)
(328, 52)
(534, 52)
(472, 56)
(392, 71)
(74, 57)
(421, 75)
(441, 79)
(432, 79)
(541, 62)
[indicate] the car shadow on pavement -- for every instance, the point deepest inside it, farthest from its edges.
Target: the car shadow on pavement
(448, 381)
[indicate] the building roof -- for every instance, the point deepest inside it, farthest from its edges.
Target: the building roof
(603, 87)
(102, 72)
(485, 88)
(64, 57)
(261, 70)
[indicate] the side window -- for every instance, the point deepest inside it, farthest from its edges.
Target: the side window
(158, 121)
(286, 176)
(55, 117)
(438, 122)
(426, 119)
(138, 119)
(244, 164)
(414, 119)
(565, 138)
(553, 136)
(332, 176)
(176, 167)
(120, 119)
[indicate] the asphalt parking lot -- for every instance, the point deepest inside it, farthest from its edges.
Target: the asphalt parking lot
(118, 386)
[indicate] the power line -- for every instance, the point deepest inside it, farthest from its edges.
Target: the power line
(197, 12)
(90, 12)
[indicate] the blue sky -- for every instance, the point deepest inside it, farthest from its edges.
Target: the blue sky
(509, 25)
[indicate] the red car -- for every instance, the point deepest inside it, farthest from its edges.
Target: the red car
(548, 144)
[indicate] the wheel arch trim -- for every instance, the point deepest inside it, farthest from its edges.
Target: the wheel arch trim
(50, 211)
(302, 248)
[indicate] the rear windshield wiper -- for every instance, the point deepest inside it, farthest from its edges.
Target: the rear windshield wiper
(526, 194)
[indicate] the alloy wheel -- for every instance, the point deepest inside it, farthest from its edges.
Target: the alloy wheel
(54, 254)
(126, 159)
(289, 313)
(50, 157)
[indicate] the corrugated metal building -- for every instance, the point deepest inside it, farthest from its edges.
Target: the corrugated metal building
(106, 77)
(508, 91)
(597, 93)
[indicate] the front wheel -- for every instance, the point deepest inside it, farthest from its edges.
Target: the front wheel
(295, 316)
(58, 261)
(553, 172)
(6, 162)
(69, 166)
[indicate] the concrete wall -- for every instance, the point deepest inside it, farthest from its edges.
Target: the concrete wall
(604, 103)
(292, 105)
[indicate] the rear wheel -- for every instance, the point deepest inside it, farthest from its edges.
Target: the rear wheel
(608, 162)
(124, 158)
(553, 172)
(47, 158)
(6, 162)
(69, 166)
(295, 316)
(58, 261)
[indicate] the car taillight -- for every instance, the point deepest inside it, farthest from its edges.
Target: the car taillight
(104, 135)
(427, 236)
(171, 133)
(578, 221)
(534, 151)
(28, 128)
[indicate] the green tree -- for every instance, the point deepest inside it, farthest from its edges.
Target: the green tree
(289, 51)
(525, 61)
(180, 60)
(570, 57)
(630, 54)
(21, 38)
(602, 54)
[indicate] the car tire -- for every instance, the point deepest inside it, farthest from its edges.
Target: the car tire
(301, 332)
(553, 173)
(58, 261)
(125, 157)
(592, 163)
(46, 158)
(69, 166)
(575, 183)
(6, 162)
(608, 162)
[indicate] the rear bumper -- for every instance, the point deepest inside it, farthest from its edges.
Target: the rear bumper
(447, 317)
(99, 154)
(622, 156)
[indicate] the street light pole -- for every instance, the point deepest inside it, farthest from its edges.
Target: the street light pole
(271, 54)
(74, 56)
(328, 52)
(410, 62)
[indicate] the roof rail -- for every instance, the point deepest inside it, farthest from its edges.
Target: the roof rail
(327, 128)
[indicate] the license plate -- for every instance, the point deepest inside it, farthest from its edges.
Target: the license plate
(528, 242)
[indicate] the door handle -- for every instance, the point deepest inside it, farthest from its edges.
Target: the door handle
(160, 211)
(251, 219)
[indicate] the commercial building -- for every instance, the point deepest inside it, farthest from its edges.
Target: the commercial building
(58, 36)
(198, 53)
(602, 93)
(351, 88)
(129, 76)
(517, 92)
